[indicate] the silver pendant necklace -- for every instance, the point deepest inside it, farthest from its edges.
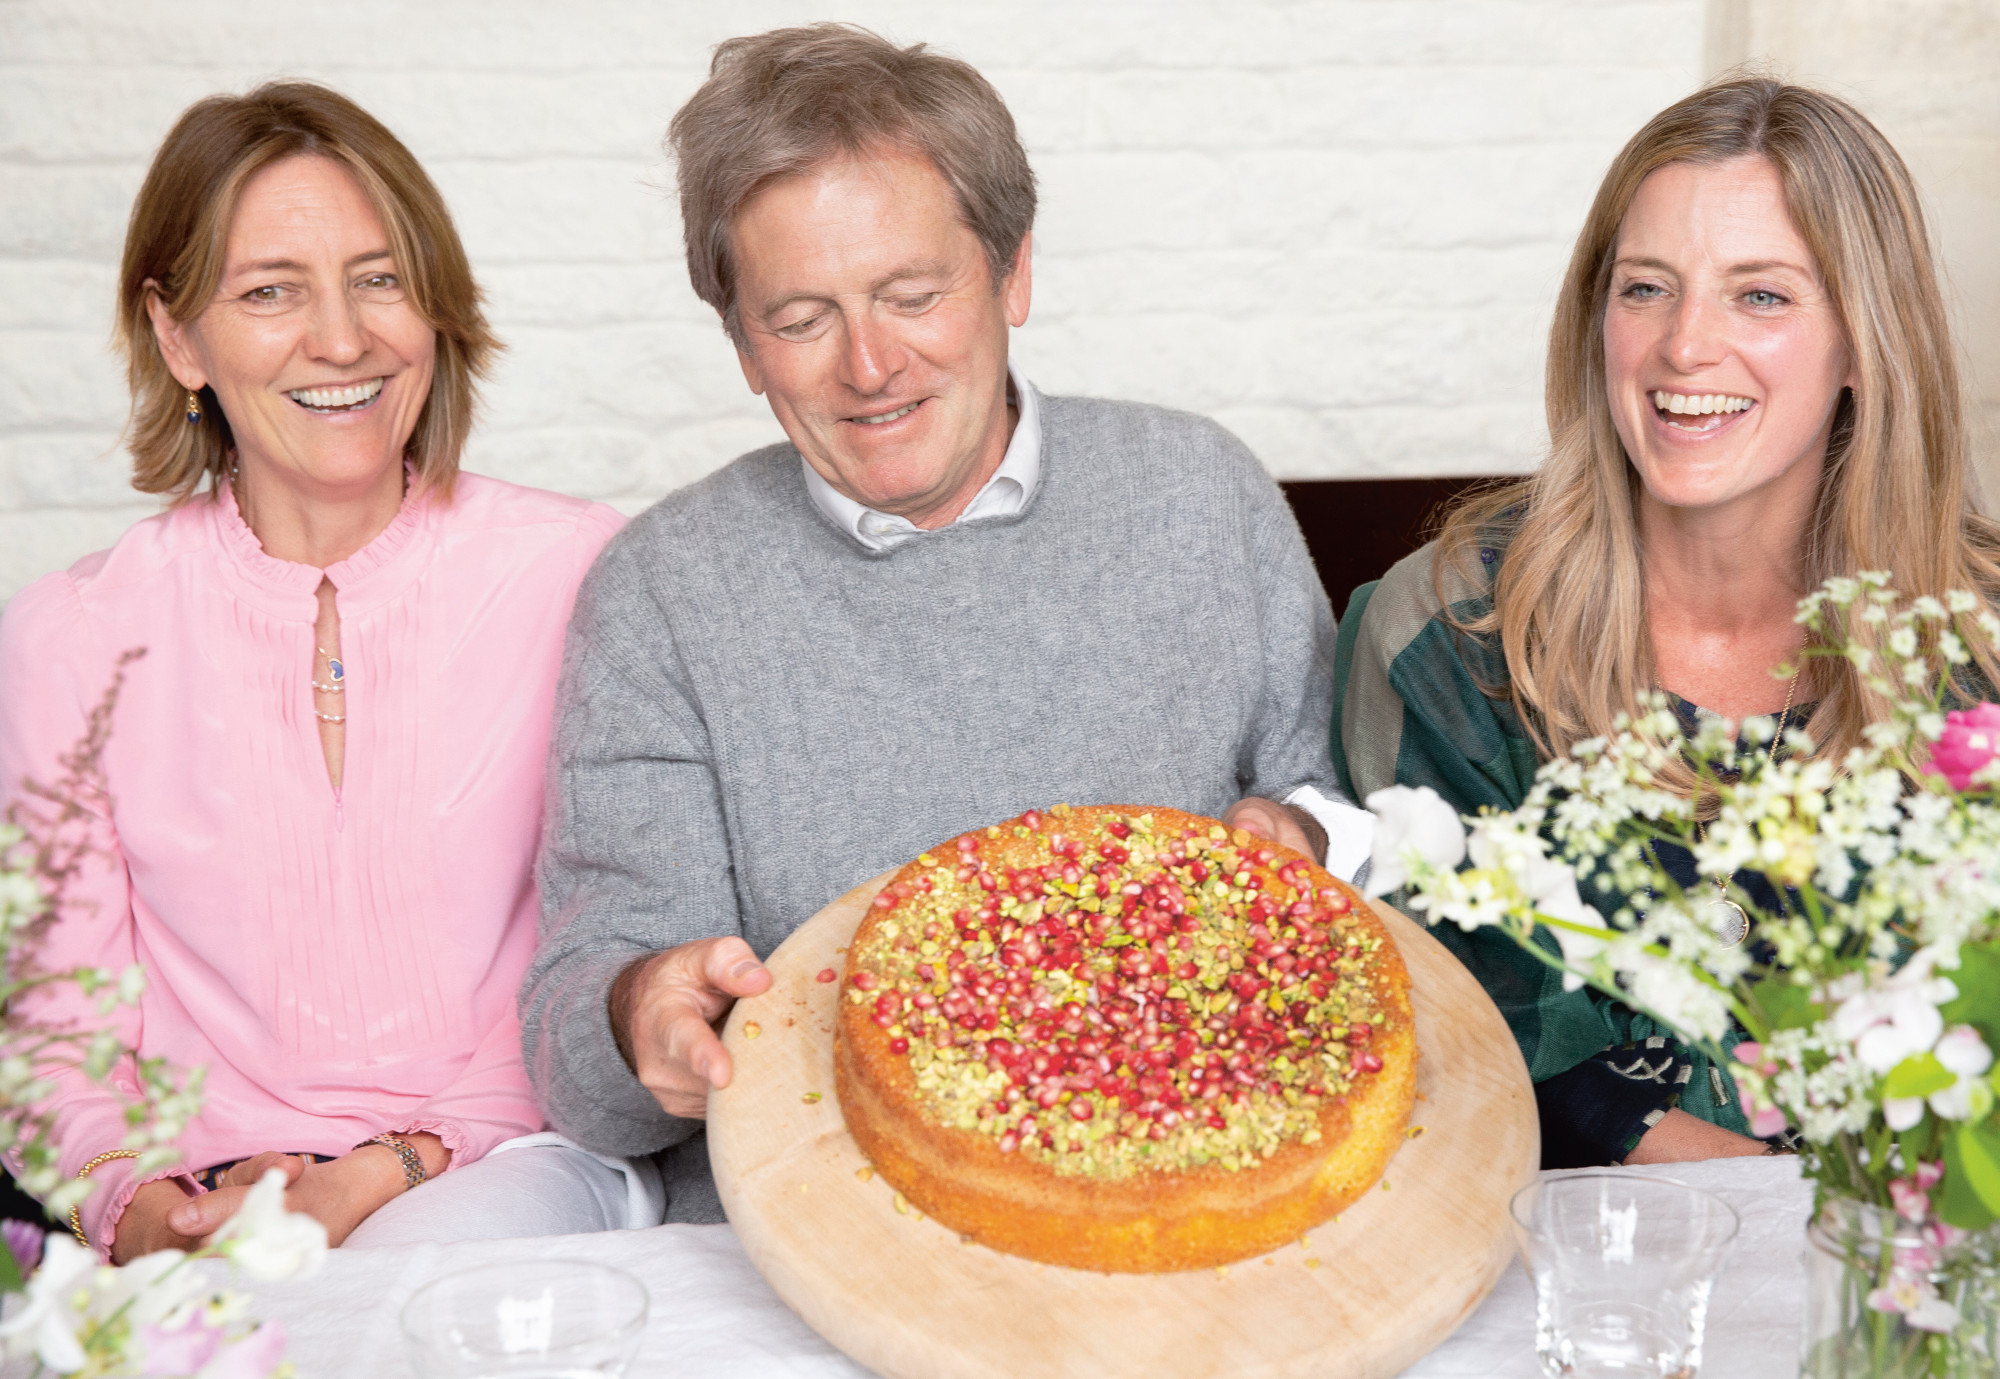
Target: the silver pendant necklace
(1728, 919)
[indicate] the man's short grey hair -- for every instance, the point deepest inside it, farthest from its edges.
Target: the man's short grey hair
(779, 104)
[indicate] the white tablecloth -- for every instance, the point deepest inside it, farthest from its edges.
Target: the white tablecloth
(712, 1315)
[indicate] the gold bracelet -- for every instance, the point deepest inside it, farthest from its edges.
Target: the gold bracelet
(75, 1212)
(414, 1174)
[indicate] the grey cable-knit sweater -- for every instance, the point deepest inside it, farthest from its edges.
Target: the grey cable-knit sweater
(757, 713)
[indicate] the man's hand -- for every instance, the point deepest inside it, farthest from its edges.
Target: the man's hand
(664, 1012)
(1680, 1137)
(1279, 823)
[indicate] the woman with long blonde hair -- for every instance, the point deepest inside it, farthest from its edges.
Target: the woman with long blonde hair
(1751, 387)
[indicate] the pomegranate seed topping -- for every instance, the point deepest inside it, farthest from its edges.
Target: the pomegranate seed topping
(885, 901)
(1081, 1109)
(826, 974)
(864, 981)
(899, 1045)
(1033, 819)
(987, 882)
(1009, 1142)
(1118, 828)
(1359, 1032)
(1216, 1121)
(1367, 1063)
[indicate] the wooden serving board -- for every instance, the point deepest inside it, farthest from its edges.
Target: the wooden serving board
(1365, 1296)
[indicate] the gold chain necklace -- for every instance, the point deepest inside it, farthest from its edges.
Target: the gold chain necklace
(1725, 916)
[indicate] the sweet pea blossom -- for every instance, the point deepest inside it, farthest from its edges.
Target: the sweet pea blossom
(46, 1323)
(1894, 1017)
(203, 1348)
(1411, 824)
(270, 1243)
(1970, 742)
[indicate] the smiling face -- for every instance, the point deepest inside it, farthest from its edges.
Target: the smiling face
(874, 331)
(320, 363)
(1723, 355)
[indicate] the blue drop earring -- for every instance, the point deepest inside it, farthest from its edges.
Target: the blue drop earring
(193, 407)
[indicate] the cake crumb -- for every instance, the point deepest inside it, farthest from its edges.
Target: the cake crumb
(902, 1205)
(1222, 1271)
(1269, 1260)
(965, 1240)
(810, 1098)
(802, 1187)
(752, 1029)
(1414, 1131)
(1385, 1185)
(1312, 1264)
(1304, 1243)
(864, 1173)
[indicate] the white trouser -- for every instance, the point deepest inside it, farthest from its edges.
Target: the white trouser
(535, 1185)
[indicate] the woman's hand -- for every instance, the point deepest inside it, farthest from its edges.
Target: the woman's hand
(340, 1195)
(1680, 1137)
(143, 1228)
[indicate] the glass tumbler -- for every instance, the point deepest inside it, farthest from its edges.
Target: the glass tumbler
(536, 1319)
(1622, 1266)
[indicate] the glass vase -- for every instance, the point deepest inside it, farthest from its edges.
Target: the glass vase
(1891, 1298)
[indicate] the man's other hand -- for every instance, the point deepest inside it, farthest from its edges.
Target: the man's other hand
(1279, 823)
(664, 1014)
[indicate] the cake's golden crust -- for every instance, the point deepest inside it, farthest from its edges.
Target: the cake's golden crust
(1151, 1221)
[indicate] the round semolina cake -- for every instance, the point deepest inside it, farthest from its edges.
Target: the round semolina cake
(1124, 1038)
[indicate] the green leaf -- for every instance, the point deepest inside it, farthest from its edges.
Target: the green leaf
(1784, 1004)
(10, 1272)
(1918, 1075)
(1971, 1178)
(1978, 983)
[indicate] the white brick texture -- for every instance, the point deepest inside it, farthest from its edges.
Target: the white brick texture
(1336, 225)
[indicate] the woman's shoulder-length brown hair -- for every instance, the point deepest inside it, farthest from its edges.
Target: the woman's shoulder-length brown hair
(179, 233)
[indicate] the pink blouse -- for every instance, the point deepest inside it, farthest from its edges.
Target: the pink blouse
(343, 962)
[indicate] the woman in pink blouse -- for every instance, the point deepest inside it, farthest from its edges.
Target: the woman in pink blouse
(326, 767)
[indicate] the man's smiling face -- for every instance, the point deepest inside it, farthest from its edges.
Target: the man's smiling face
(873, 328)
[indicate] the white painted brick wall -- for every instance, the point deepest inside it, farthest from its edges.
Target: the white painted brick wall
(1337, 225)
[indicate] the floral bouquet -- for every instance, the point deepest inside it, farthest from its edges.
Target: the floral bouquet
(157, 1316)
(1858, 1006)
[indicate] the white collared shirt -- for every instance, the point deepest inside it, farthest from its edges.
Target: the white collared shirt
(1003, 495)
(1349, 831)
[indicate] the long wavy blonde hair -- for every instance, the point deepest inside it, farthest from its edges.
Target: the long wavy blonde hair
(1569, 598)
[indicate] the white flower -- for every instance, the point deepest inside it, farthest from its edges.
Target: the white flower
(1902, 1112)
(1670, 990)
(44, 1323)
(1895, 1017)
(1964, 1055)
(1411, 824)
(270, 1243)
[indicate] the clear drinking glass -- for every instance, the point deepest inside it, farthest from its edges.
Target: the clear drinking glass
(1622, 1266)
(536, 1319)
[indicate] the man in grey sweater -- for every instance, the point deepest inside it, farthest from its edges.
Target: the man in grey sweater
(946, 600)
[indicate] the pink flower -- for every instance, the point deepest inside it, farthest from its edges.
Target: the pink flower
(184, 1350)
(1764, 1122)
(24, 1241)
(1912, 1202)
(1971, 740)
